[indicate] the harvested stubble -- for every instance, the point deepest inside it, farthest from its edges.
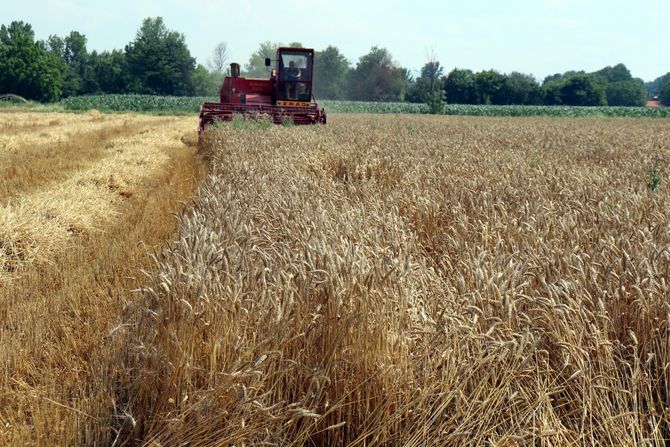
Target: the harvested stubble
(35, 225)
(39, 148)
(57, 317)
(22, 130)
(411, 281)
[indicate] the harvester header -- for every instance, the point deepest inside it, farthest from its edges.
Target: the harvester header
(286, 97)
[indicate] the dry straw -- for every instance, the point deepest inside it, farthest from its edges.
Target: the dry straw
(75, 230)
(36, 223)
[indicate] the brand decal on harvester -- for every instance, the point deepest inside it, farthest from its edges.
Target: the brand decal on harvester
(293, 103)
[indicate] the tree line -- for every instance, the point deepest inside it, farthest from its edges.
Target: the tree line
(377, 78)
(156, 62)
(159, 62)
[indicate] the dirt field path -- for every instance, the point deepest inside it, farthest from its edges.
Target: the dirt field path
(84, 200)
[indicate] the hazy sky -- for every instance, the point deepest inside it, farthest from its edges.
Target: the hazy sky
(539, 37)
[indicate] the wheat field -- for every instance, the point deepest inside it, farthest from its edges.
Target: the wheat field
(412, 281)
(379, 281)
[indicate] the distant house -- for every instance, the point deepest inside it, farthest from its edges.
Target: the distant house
(654, 102)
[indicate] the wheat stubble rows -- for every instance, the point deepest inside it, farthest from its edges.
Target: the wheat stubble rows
(52, 191)
(389, 280)
(82, 212)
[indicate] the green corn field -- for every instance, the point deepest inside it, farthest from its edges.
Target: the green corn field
(191, 104)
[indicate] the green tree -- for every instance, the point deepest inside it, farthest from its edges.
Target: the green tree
(618, 73)
(460, 87)
(256, 68)
(560, 77)
(654, 87)
(331, 69)
(56, 46)
(433, 73)
(552, 78)
(522, 89)
(664, 94)
(403, 78)
(74, 56)
(110, 71)
(551, 92)
(490, 87)
(159, 61)
(26, 67)
(378, 78)
(206, 82)
(78, 77)
(436, 99)
(89, 77)
(583, 90)
(429, 85)
(416, 90)
(626, 93)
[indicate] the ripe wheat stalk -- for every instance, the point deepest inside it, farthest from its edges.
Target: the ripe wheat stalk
(468, 282)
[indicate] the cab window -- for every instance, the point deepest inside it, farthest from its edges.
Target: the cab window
(295, 76)
(296, 66)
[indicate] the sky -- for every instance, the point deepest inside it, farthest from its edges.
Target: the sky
(538, 37)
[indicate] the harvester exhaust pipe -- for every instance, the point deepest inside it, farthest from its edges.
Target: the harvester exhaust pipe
(235, 70)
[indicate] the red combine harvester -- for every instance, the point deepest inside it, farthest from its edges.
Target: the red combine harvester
(286, 96)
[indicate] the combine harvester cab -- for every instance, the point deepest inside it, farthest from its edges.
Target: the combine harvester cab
(286, 97)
